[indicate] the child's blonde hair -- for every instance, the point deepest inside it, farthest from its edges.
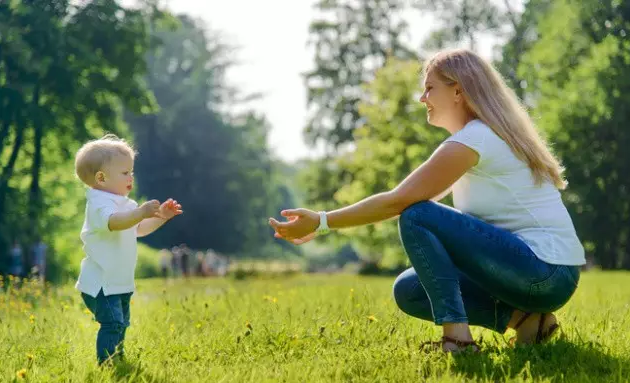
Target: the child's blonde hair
(94, 155)
(494, 103)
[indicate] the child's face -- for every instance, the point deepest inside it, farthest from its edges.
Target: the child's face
(117, 176)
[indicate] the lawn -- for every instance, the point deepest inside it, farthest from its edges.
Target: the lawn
(300, 329)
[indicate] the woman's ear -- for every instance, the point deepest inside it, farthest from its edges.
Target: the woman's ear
(459, 97)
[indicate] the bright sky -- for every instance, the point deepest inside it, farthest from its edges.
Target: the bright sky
(272, 36)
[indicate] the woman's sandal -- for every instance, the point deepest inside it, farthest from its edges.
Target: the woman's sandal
(462, 345)
(541, 336)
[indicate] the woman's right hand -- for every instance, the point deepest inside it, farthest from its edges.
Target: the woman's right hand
(290, 218)
(298, 241)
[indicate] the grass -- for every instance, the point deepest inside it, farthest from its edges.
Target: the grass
(300, 329)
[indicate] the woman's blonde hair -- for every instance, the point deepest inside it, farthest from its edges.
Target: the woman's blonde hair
(493, 102)
(96, 154)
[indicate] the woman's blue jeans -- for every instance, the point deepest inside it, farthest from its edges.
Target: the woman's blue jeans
(468, 271)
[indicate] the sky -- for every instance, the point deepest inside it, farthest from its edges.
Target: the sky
(272, 39)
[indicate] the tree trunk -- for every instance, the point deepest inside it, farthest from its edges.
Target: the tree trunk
(4, 131)
(35, 202)
(7, 170)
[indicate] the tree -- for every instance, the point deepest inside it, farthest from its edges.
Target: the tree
(352, 39)
(462, 21)
(215, 163)
(394, 140)
(522, 36)
(64, 72)
(577, 75)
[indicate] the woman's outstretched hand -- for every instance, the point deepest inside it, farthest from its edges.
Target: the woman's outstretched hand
(299, 228)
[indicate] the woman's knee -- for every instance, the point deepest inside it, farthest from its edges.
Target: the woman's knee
(404, 286)
(416, 214)
(410, 296)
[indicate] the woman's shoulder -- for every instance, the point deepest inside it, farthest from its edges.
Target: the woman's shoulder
(475, 131)
(474, 134)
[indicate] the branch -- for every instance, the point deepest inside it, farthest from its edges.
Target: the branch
(4, 132)
(7, 170)
(511, 13)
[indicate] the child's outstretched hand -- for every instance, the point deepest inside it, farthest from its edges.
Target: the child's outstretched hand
(169, 209)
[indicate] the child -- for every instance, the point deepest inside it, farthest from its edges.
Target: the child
(112, 224)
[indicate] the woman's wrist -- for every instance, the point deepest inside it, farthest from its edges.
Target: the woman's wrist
(322, 226)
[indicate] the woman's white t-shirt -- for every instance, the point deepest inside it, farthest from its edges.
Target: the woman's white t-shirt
(501, 190)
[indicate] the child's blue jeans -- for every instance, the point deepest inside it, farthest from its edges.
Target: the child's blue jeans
(468, 271)
(112, 313)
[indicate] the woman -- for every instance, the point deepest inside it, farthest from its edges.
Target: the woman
(508, 255)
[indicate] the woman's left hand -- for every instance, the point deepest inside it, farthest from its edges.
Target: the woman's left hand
(300, 227)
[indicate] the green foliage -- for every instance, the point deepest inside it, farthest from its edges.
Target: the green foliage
(215, 163)
(578, 76)
(462, 21)
(523, 33)
(65, 71)
(307, 329)
(352, 39)
(394, 140)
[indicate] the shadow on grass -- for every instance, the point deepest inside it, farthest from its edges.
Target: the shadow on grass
(125, 371)
(558, 360)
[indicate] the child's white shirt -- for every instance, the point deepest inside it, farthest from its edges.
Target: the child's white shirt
(110, 256)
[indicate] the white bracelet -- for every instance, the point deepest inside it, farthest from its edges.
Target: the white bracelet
(323, 224)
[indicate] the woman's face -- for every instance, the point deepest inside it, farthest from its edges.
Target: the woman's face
(442, 100)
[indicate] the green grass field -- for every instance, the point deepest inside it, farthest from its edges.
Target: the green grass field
(300, 329)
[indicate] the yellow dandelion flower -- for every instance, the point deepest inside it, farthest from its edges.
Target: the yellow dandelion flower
(372, 318)
(198, 325)
(21, 374)
(172, 328)
(30, 356)
(31, 318)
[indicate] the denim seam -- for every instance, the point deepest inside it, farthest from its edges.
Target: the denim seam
(109, 307)
(437, 321)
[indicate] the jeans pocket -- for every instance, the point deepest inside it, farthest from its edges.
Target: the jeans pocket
(573, 273)
(552, 292)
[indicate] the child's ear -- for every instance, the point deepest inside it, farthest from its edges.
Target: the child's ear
(99, 177)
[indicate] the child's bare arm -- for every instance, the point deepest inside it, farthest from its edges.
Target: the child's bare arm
(128, 219)
(167, 210)
(149, 225)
